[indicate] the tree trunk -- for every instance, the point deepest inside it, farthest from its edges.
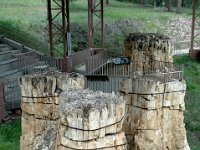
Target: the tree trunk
(107, 2)
(178, 7)
(142, 2)
(158, 3)
(169, 5)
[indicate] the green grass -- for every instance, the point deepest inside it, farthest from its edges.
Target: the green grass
(10, 135)
(192, 100)
(31, 15)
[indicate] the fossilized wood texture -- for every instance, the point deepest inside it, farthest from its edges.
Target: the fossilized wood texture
(58, 114)
(91, 120)
(148, 50)
(40, 107)
(154, 114)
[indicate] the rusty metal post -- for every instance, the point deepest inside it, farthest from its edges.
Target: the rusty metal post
(58, 32)
(102, 24)
(68, 16)
(64, 27)
(64, 34)
(90, 23)
(50, 28)
(95, 9)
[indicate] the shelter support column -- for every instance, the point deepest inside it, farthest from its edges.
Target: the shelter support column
(58, 32)
(95, 21)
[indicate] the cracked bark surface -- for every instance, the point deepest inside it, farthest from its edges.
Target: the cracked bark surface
(154, 121)
(40, 107)
(147, 51)
(59, 114)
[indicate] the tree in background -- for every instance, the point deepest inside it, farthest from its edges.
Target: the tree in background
(187, 3)
(169, 5)
(142, 2)
(107, 2)
(178, 6)
(159, 3)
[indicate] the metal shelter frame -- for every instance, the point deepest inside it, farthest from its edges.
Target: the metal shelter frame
(58, 33)
(58, 9)
(95, 10)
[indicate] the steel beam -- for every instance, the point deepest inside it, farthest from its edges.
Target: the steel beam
(50, 27)
(58, 17)
(64, 28)
(95, 22)
(59, 25)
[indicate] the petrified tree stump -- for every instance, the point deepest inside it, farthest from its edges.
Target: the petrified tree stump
(40, 107)
(58, 114)
(147, 51)
(154, 118)
(91, 120)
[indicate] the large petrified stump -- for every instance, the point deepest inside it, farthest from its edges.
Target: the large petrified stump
(91, 120)
(147, 51)
(154, 118)
(40, 107)
(58, 114)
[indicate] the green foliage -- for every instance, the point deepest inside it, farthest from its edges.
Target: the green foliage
(10, 135)
(192, 99)
(116, 32)
(15, 32)
(187, 3)
(79, 36)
